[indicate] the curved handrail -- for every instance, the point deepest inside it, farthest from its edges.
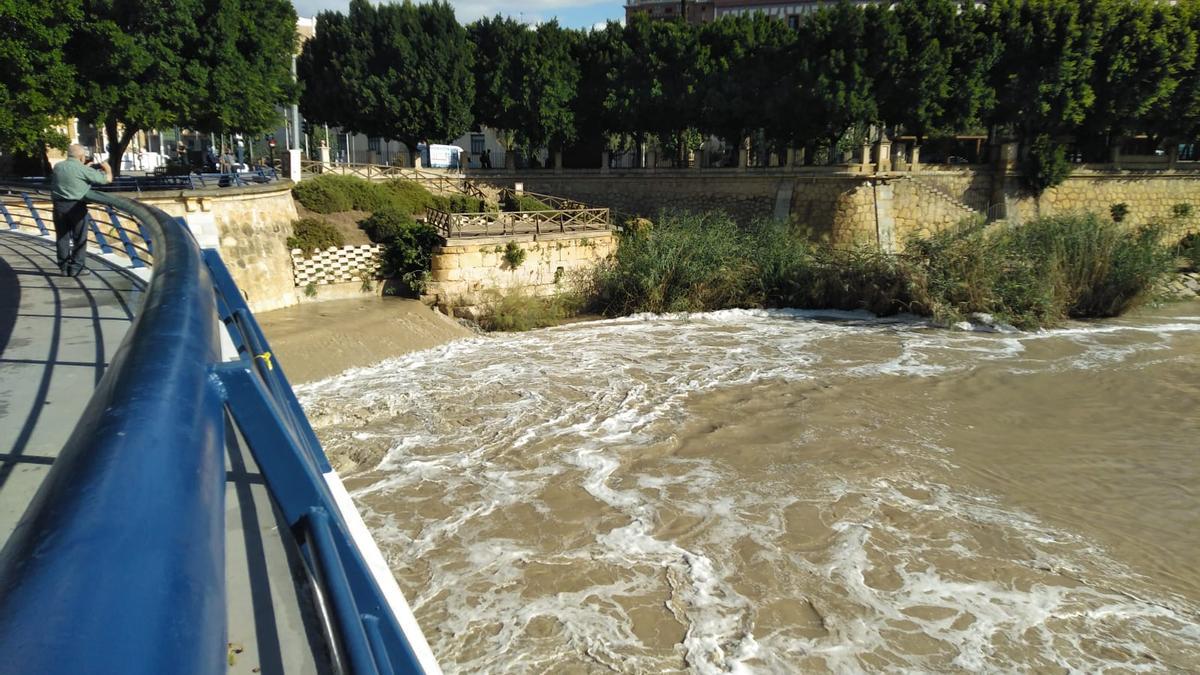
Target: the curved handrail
(118, 564)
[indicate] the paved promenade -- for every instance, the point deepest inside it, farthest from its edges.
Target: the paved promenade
(57, 335)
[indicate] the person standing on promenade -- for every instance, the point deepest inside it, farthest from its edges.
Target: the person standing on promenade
(70, 181)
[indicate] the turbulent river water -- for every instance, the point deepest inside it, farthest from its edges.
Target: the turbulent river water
(783, 491)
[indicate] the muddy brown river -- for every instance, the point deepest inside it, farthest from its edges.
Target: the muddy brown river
(778, 492)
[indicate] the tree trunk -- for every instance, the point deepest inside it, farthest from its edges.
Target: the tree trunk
(116, 144)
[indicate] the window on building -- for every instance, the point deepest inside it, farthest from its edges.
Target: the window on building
(670, 10)
(476, 144)
(793, 21)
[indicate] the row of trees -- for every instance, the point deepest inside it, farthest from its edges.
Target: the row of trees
(1037, 70)
(135, 65)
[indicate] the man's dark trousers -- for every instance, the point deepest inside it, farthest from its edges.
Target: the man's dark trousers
(70, 227)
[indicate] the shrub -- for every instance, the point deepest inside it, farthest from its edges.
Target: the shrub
(312, 234)
(387, 224)
(1189, 248)
(408, 247)
(330, 193)
(1045, 165)
(1181, 210)
(321, 196)
(456, 203)
(409, 196)
(1118, 212)
(523, 202)
(514, 255)
(1035, 275)
(516, 311)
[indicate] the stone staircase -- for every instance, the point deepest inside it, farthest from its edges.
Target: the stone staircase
(938, 193)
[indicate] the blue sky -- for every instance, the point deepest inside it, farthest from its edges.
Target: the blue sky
(570, 13)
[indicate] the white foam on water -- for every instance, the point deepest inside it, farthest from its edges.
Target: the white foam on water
(481, 428)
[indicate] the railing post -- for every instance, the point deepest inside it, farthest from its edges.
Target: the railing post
(12, 224)
(37, 218)
(125, 241)
(101, 241)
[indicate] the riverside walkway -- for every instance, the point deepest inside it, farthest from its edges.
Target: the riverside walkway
(57, 336)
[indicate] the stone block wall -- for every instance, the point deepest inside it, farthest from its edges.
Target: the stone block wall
(250, 227)
(336, 265)
(1150, 196)
(917, 210)
(468, 272)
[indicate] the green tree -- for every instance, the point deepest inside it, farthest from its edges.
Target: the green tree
(1042, 74)
(498, 43)
(1144, 47)
(1176, 118)
(833, 82)
(653, 84)
(140, 66)
(406, 74)
(249, 45)
(916, 87)
(741, 85)
(36, 82)
(549, 80)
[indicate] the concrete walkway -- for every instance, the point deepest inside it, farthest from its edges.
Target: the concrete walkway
(57, 336)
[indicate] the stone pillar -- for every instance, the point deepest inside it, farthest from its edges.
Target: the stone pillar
(416, 159)
(1172, 155)
(510, 160)
(372, 157)
(743, 158)
(883, 163)
(324, 150)
(701, 157)
(1114, 156)
(558, 161)
(294, 164)
(651, 159)
(914, 162)
(789, 157)
(604, 161)
(866, 157)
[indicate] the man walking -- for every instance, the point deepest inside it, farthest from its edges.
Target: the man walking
(69, 183)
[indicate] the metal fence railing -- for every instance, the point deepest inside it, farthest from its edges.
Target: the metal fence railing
(506, 223)
(118, 564)
(156, 182)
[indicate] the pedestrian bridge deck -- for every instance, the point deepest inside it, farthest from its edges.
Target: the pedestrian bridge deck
(57, 336)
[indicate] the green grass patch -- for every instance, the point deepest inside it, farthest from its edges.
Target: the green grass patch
(332, 193)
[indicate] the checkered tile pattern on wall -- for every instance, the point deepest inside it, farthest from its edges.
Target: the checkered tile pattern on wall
(336, 265)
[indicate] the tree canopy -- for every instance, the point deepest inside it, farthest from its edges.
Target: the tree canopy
(397, 71)
(37, 83)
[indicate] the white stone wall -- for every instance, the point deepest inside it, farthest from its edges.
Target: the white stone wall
(336, 265)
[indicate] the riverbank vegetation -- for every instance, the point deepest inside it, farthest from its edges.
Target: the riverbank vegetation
(1031, 276)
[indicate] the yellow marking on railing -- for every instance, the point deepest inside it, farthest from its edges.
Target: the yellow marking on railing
(266, 357)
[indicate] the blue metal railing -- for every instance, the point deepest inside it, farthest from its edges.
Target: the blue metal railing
(151, 183)
(118, 564)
